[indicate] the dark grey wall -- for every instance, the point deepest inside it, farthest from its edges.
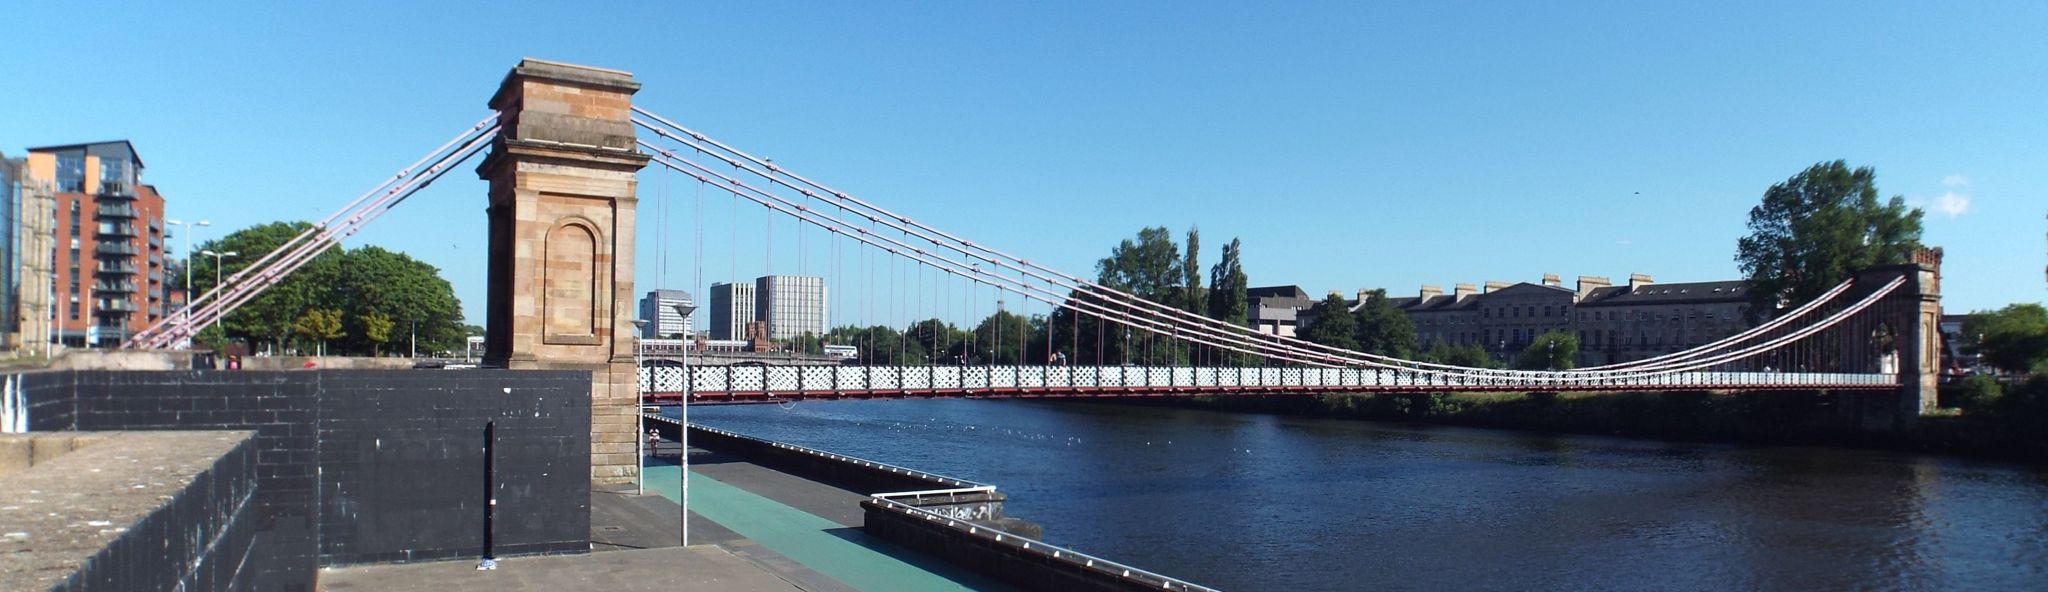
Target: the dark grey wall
(366, 465)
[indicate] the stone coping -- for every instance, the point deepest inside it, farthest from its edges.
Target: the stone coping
(60, 512)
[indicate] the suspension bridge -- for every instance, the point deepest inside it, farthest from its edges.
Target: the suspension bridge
(565, 148)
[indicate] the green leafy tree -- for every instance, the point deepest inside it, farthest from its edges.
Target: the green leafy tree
(1555, 350)
(879, 345)
(1382, 329)
(1816, 229)
(319, 325)
(409, 292)
(1469, 356)
(1149, 267)
(377, 329)
(939, 338)
(1191, 270)
(2014, 338)
(1334, 326)
(357, 282)
(1227, 300)
(807, 343)
(999, 339)
(268, 317)
(1227, 285)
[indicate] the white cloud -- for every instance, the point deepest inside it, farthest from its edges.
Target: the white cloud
(1955, 181)
(1952, 203)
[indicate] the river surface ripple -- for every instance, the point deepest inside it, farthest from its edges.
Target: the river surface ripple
(1260, 502)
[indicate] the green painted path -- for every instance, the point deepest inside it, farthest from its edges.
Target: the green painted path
(840, 552)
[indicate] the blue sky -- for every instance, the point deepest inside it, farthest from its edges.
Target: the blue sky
(1349, 144)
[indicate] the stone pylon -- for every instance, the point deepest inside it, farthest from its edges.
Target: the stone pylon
(561, 241)
(1915, 310)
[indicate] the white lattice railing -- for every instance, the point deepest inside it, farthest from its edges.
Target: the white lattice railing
(713, 381)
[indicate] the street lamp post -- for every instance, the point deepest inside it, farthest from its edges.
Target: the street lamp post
(683, 431)
(186, 310)
(639, 409)
(217, 257)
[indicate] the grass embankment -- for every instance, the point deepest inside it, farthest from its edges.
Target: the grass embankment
(2011, 425)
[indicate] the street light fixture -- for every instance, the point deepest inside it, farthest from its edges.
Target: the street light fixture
(683, 430)
(186, 310)
(217, 257)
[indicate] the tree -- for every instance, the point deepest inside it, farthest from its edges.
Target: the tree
(2014, 338)
(1555, 350)
(1191, 270)
(409, 292)
(1469, 356)
(377, 329)
(1382, 329)
(807, 343)
(269, 316)
(1149, 268)
(937, 341)
(1334, 324)
(319, 325)
(1815, 229)
(999, 339)
(1227, 300)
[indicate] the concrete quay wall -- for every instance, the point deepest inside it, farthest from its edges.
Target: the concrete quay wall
(357, 466)
(114, 511)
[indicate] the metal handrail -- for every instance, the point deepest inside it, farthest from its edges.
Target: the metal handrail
(1055, 552)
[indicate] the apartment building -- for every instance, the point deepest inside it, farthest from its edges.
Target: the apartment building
(1640, 319)
(109, 233)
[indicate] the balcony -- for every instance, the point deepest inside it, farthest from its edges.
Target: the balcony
(116, 211)
(116, 189)
(115, 229)
(115, 306)
(114, 267)
(115, 248)
(125, 287)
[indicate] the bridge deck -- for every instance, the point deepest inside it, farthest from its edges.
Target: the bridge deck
(755, 383)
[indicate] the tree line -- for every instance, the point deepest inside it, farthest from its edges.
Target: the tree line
(362, 301)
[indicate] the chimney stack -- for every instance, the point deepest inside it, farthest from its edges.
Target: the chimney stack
(1589, 283)
(1492, 285)
(1462, 291)
(1551, 279)
(1638, 280)
(1429, 291)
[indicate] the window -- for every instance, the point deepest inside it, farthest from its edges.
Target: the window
(1546, 310)
(1515, 312)
(71, 173)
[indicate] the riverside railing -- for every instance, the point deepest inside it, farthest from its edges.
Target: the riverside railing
(717, 383)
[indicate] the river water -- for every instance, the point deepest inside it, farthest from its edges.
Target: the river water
(1260, 502)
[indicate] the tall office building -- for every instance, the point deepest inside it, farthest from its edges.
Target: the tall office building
(732, 307)
(110, 235)
(658, 308)
(791, 304)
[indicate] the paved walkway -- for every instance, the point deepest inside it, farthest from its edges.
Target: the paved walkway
(672, 569)
(752, 529)
(837, 549)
